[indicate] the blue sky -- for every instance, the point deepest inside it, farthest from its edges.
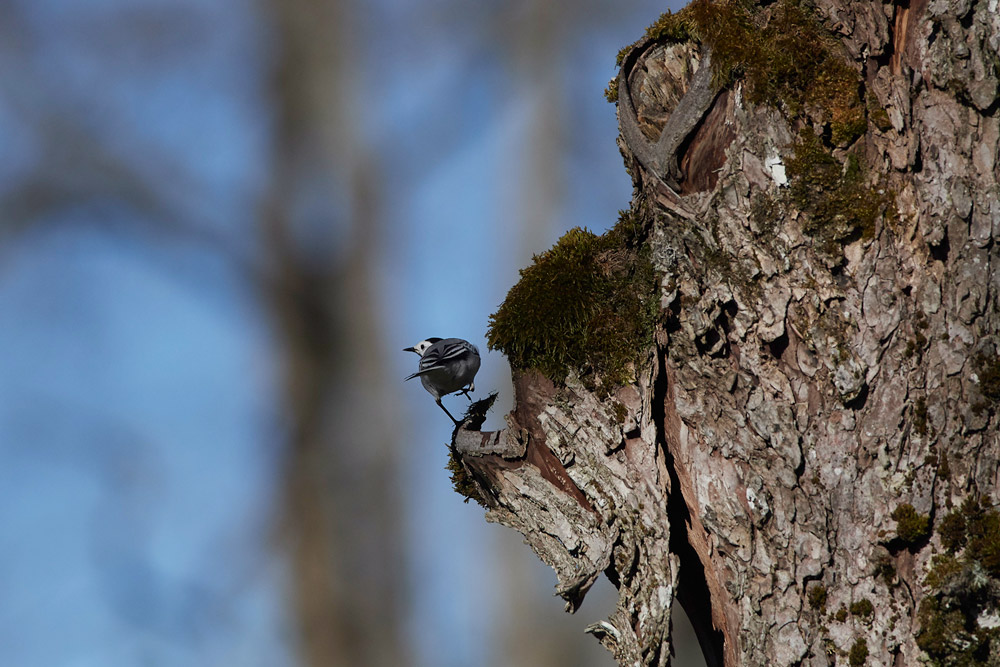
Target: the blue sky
(139, 391)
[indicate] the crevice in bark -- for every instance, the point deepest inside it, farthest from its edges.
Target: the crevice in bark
(778, 346)
(858, 402)
(940, 251)
(692, 589)
(710, 344)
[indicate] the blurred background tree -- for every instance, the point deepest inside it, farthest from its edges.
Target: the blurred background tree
(220, 222)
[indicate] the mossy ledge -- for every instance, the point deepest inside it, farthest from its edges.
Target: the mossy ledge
(764, 47)
(586, 305)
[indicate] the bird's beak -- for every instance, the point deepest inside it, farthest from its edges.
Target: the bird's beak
(408, 349)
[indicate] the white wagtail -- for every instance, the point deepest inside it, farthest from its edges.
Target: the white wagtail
(446, 365)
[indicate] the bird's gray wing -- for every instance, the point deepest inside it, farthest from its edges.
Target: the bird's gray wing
(441, 353)
(444, 351)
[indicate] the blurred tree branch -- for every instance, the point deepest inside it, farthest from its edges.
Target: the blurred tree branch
(341, 515)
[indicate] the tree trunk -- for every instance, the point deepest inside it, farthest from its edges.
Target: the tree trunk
(805, 450)
(341, 514)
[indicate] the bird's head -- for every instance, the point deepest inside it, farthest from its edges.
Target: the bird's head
(422, 346)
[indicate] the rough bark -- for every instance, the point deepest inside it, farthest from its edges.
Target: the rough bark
(799, 393)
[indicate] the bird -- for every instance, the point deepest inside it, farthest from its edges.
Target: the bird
(447, 365)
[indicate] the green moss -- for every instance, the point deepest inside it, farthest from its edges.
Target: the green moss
(462, 482)
(944, 468)
(878, 115)
(672, 27)
(789, 60)
(886, 569)
(765, 211)
(862, 608)
(983, 534)
(784, 54)
(629, 231)
(911, 527)
(951, 530)
(620, 411)
(841, 615)
(792, 62)
(987, 369)
(817, 597)
(611, 92)
(974, 527)
(858, 654)
(950, 635)
(737, 43)
(839, 205)
(920, 415)
(587, 304)
(961, 585)
(944, 569)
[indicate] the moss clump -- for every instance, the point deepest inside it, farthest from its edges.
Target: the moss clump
(792, 62)
(789, 60)
(817, 597)
(672, 27)
(841, 615)
(945, 568)
(862, 608)
(611, 92)
(944, 468)
(951, 530)
(988, 371)
(462, 482)
(878, 115)
(858, 654)
(587, 304)
(911, 527)
(974, 527)
(920, 416)
(945, 636)
(765, 211)
(950, 634)
(620, 411)
(786, 56)
(886, 569)
(839, 205)
(963, 584)
(983, 534)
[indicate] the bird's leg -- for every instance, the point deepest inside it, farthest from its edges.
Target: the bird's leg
(441, 405)
(471, 387)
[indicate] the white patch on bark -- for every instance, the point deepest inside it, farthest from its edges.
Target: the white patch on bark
(776, 168)
(992, 619)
